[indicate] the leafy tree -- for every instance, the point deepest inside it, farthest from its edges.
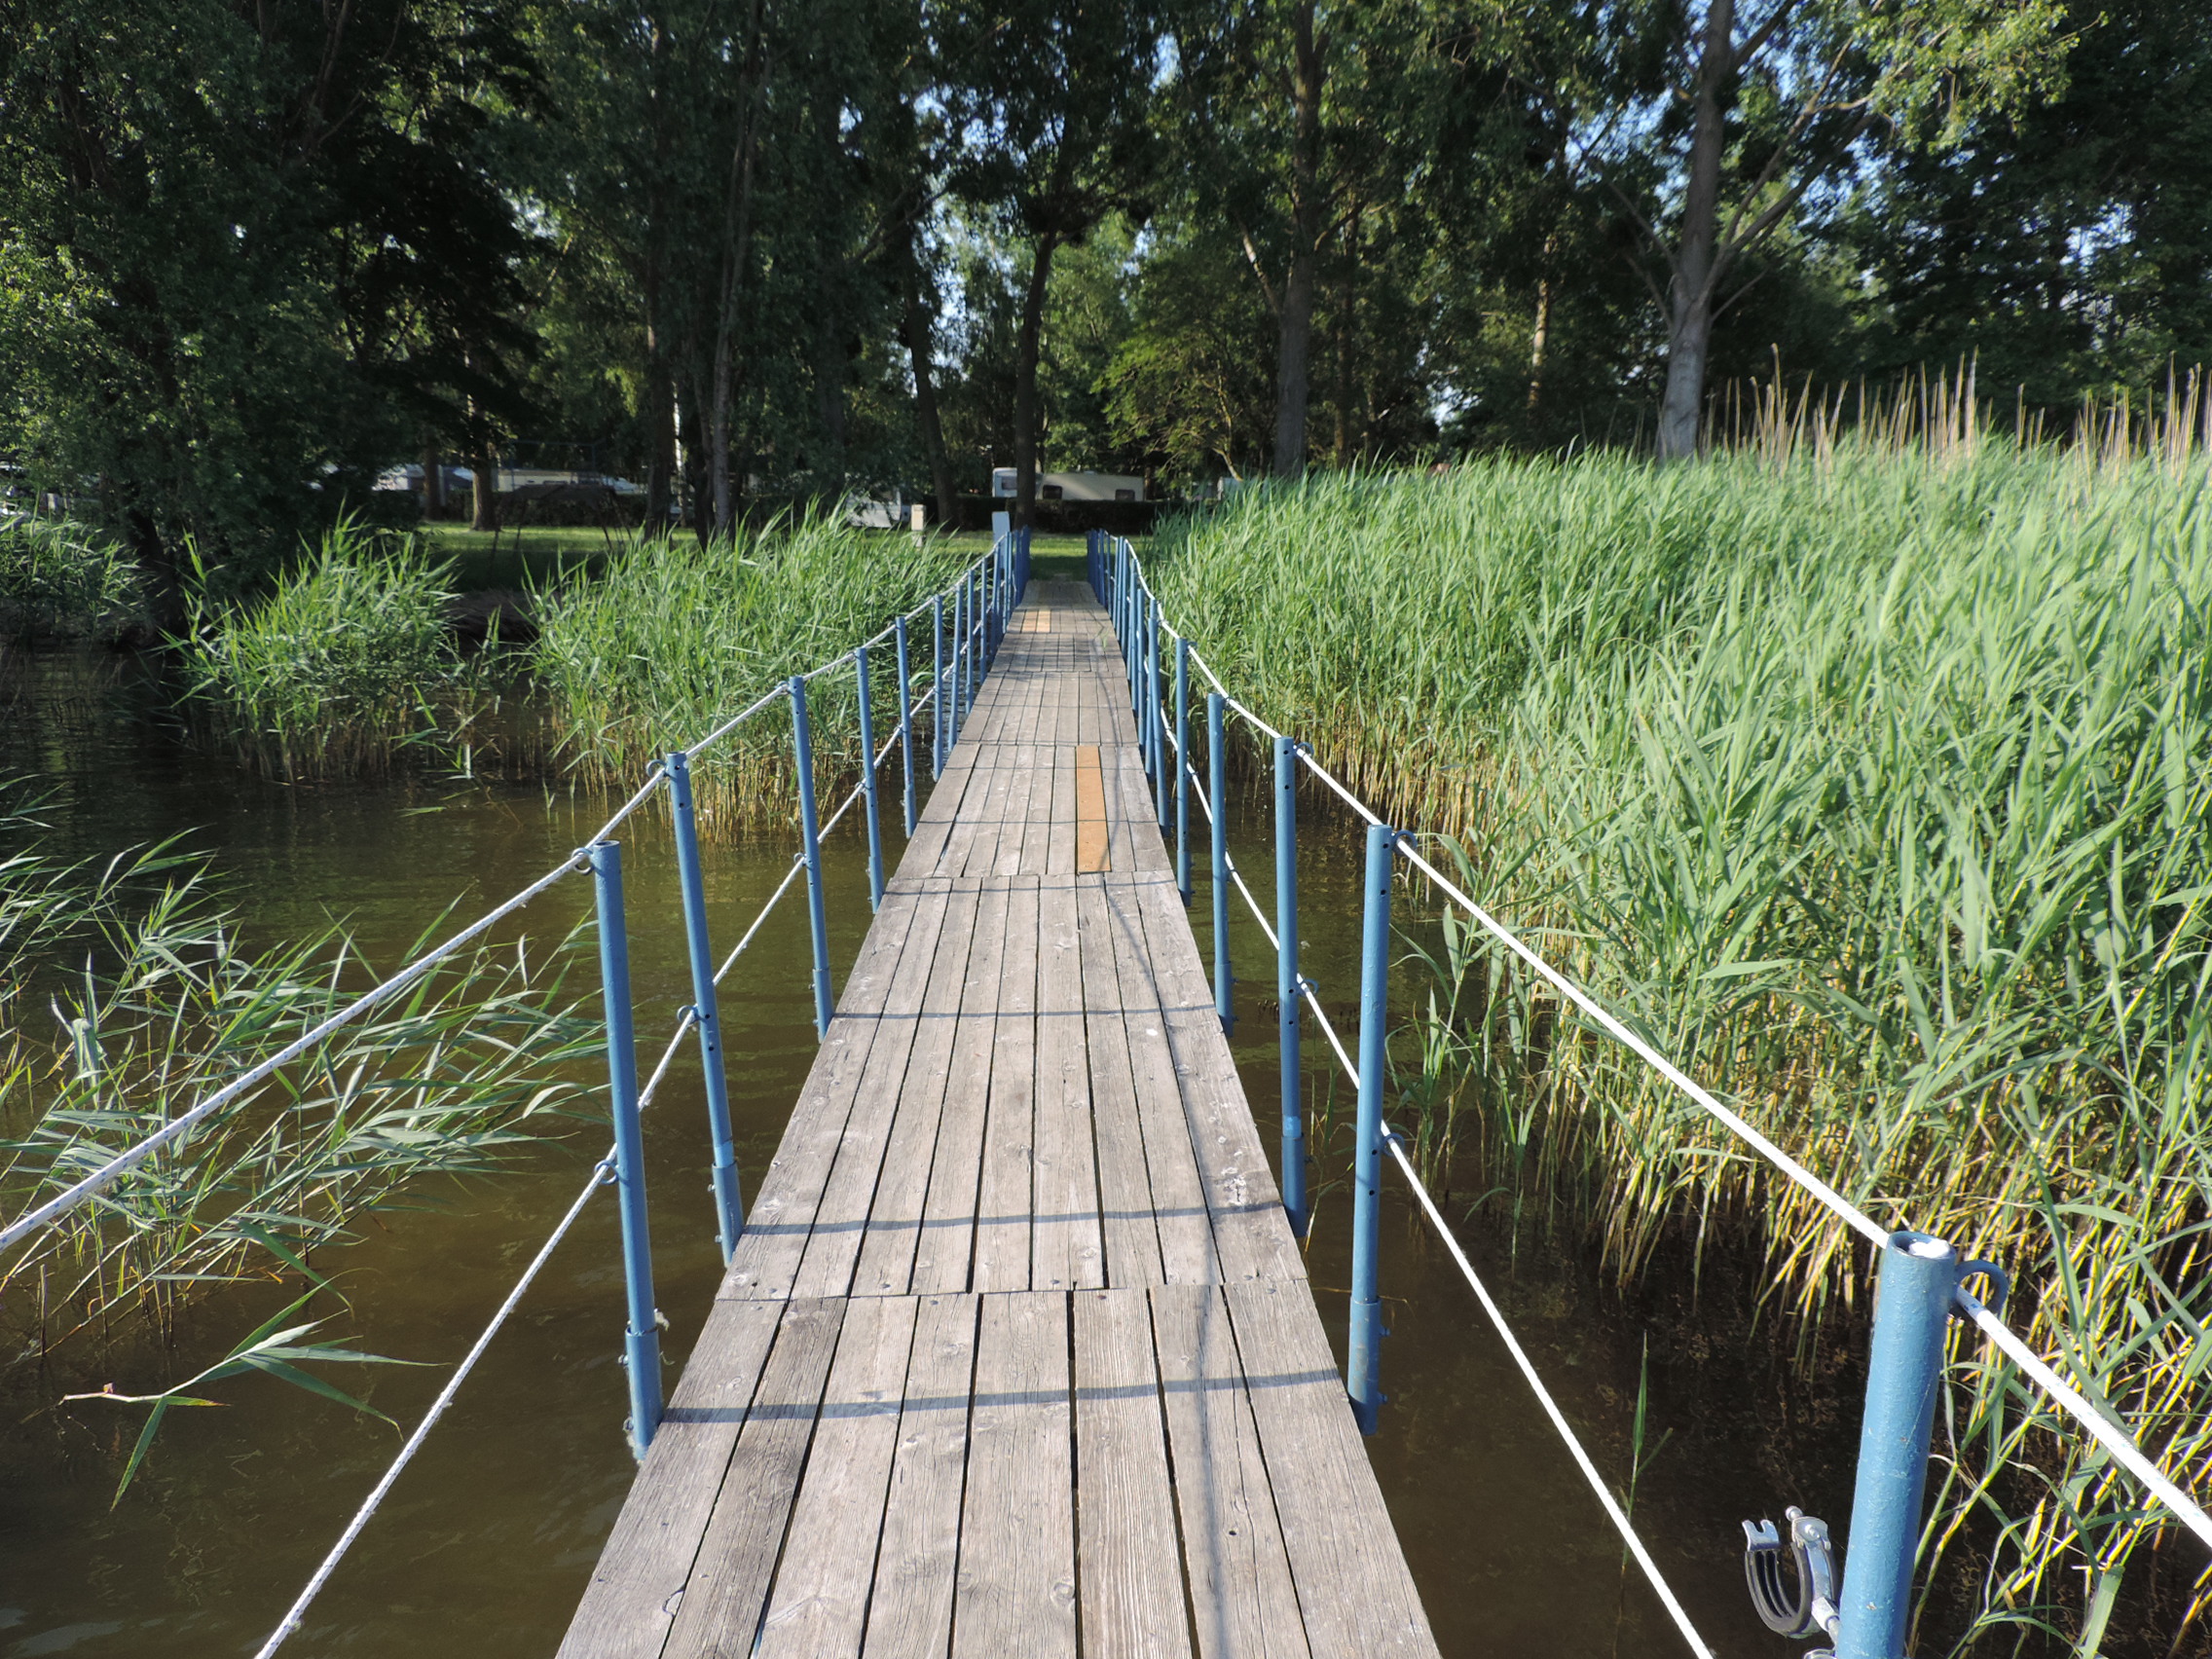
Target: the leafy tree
(1054, 113)
(1753, 113)
(247, 254)
(2067, 244)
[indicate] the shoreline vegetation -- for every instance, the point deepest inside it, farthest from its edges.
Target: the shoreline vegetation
(1872, 782)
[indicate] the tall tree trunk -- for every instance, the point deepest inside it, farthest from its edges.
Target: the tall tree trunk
(1346, 320)
(1025, 343)
(483, 492)
(659, 396)
(1295, 340)
(433, 484)
(1539, 338)
(1690, 332)
(915, 325)
(737, 252)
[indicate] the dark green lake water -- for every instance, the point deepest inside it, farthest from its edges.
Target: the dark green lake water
(483, 1548)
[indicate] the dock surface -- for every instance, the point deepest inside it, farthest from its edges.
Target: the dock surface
(1017, 1357)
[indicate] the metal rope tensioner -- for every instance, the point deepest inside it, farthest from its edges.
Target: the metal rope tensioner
(1811, 1609)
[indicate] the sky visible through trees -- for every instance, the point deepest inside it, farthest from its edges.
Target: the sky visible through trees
(757, 251)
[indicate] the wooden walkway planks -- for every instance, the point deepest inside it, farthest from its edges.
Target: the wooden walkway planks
(1017, 1355)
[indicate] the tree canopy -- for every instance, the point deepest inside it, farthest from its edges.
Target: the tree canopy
(751, 251)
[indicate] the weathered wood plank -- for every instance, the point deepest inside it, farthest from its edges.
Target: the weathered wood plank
(1243, 1598)
(720, 1608)
(910, 1106)
(820, 1602)
(1065, 1239)
(1252, 1235)
(945, 1248)
(911, 1613)
(1016, 1592)
(1127, 1551)
(1006, 1203)
(630, 1604)
(781, 1219)
(1334, 1525)
(1178, 1195)
(1131, 1232)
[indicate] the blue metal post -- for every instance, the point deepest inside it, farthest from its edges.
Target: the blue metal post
(706, 1012)
(966, 652)
(1288, 982)
(937, 684)
(641, 1335)
(1158, 723)
(906, 722)
(1217, 788)
(1183, 769)
(871, 806)
(1363, 1362)
(1912, 1305)
(1132, 640)
(810, 843)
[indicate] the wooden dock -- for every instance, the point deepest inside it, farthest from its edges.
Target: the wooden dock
(1017, 1358)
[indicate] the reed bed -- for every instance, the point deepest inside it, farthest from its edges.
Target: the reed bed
(674, 636)
(1871, 783)
(61, 579)
(348, 663)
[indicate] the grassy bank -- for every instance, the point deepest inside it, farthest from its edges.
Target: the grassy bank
(1874, 787)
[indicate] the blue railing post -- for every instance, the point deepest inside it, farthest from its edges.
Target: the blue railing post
(1913, 1299)
(906, 725)
(1183, 769)
(966, 695)
(936, 685)
(810, 848)
(1156, 700)
(640, 1353)
(869, 804)
(1363, 1361)
(706, 1011)
(1217, 788)
(1288, 985)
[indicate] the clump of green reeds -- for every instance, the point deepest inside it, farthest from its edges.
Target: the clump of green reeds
(1877, 788)
(675, 636)
(59, 578)
(346, 663)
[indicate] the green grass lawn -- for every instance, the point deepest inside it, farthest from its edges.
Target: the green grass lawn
(518, 557)
(521, 558)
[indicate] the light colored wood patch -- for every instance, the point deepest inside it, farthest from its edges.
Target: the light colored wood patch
(1092, 856)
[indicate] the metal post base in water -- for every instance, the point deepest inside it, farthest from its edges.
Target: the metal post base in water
(641, 1355)
(706, 1014)
(1913, 1300)
(810, 849)
(1217, 787)
(1363, 1361)
(1288, 985)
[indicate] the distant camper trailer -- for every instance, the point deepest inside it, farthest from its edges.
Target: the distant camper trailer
(1072, 486)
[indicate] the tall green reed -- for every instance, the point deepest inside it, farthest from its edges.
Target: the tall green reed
(150, 1003)
(346, 663)
(675, 637)
(59, 578)
(1873, 787)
